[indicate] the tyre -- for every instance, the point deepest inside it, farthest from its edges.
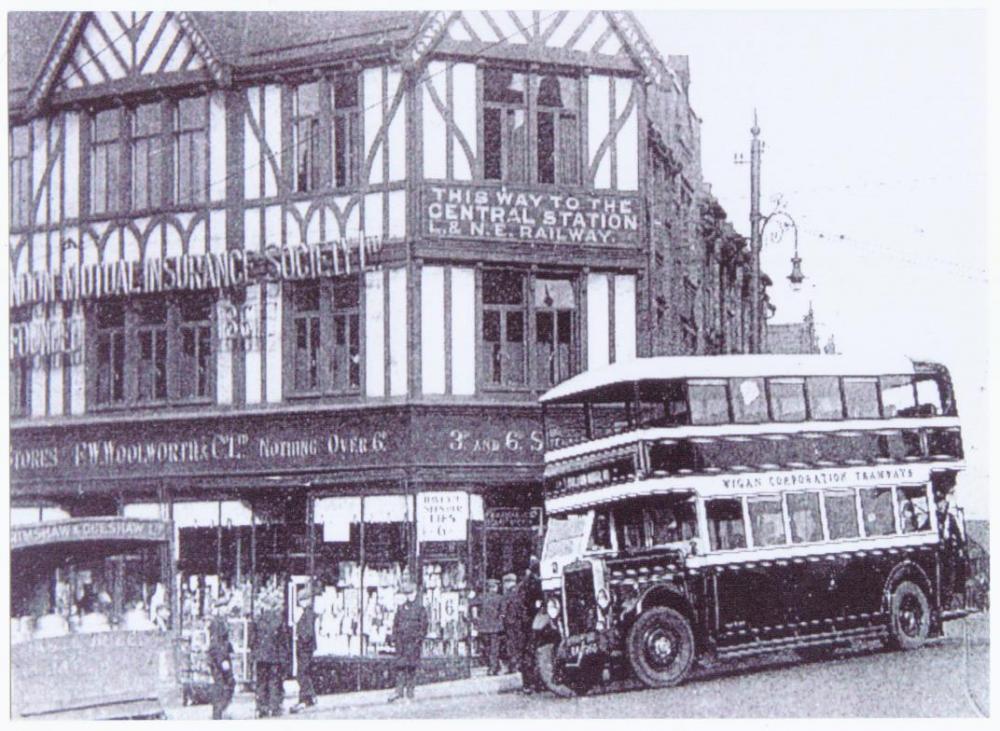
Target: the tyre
(545, 657)
(909, 616)
(661, 647)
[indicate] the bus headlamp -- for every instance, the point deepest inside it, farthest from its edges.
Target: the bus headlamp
(552, 608)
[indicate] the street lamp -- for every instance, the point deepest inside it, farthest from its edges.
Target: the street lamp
(785, 222)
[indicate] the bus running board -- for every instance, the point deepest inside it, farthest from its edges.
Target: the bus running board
(789, 643)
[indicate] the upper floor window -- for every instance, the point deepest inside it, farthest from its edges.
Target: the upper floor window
(505, 129)
(20, 175)
(555, 331)
(153, 349)
(503, 336)
(147, 178)
(191, 151)
(306, 136)
(324, 337)
(105, 161)
(20, 372)
(346, 131)
(558, 136)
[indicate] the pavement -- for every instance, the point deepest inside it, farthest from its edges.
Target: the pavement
(242, 707)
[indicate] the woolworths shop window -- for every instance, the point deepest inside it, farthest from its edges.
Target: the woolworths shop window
(152, 350)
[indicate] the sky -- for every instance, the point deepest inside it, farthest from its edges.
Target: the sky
(874, 126)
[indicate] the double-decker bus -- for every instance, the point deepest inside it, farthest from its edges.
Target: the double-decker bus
(704, 508)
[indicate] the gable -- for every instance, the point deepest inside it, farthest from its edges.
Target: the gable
(579, 31)
(116, 45)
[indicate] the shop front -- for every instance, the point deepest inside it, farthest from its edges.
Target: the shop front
(349, 502)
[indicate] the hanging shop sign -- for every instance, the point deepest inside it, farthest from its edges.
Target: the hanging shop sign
(513, 518)
(458, 211)
(190, 272)
(88, 529)
(47, 339)
(442, 516)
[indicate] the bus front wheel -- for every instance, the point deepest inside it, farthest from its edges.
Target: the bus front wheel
(661, 647)
(909, 616)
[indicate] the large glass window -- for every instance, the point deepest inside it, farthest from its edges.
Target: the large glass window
(147, 168)
(914, 514)
(861, 398)
(305, 136)
(766, 520)
(841, 514)
(824, 398)
(558, 140)
(877, 511)
(555, 339)
(503, 340)
(20, 175)
(749, 402)
(788, 399)
(110, 381)
(709, 402)
(726, 529)
(191, 151)
(346, 130)
(105, 161)
(804, 517)
(505, 129)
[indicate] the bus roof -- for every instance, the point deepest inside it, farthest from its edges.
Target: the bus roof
(664, 368)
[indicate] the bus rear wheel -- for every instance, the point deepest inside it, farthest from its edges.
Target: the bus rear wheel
(909, 616)
(661, 647)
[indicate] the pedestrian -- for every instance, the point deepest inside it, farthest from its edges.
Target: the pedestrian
(220, 661)
(952, 563)
(489, 624)
(530, 599)
(305, 647)
(513, 628)
(409, 628)
(270, 658)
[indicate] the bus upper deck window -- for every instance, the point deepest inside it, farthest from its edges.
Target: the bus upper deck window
(749, 405)
(898, 397)
(824, 398)
(861, 398)
(929, 401)
(709, 402)
(725, 524)
(788, 399)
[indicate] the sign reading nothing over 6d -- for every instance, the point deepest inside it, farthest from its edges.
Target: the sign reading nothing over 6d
(530, 214)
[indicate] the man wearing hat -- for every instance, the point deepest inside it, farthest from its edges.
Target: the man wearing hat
(409, 628)
(490, 623)
(220, 659)
(270, 657)
(305, 647)
(513, 627)
(530, 590)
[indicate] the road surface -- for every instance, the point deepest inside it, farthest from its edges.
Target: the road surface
(948, 677)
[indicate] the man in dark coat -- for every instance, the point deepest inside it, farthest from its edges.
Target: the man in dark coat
(490, 623)
(530, 596)
(270, 654)
(220, 661)
(305, 647)
(409, 628)
(513, 627)
(953, 541)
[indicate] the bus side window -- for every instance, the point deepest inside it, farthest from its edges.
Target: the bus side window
(766, 521)
(929, 401)
(725, 524)
(824, 398)
(804, 515)
(914, 514)
(861, 397)
(841, 514)
(749, 405)
(877, 511)
(898, 397)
